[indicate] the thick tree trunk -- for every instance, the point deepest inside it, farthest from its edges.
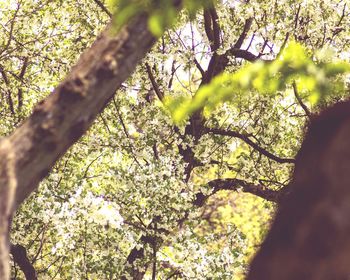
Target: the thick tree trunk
(8, 185)
(59, 121)
(310, 237)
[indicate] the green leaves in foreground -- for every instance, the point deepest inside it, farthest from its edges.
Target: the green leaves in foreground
(162, 14)
(315, 78)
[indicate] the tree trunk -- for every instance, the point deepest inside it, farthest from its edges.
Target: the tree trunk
(20, 258)
(8, 184)
(310, 237)
(60, 120)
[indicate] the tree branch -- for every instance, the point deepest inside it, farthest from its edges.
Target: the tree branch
(103, 7)
(199, 67)
(208, 28)
(300, 101)
(154, 83)
(247, 25)
(246, 55)
(28, 154)
(20, 257)
(217, 62)
(20, 90)
(8, 92)
(247, 140)
(233, 184)
(216, 29)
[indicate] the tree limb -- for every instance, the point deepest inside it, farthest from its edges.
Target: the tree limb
(20, 257)
(300, 101)
(247, 140)
(208, 28)
(246, 55)
(154, 83)
(199, 67)
(216, 29)
(247, 25)
(103, 7)
(20, 90)
(233, 184)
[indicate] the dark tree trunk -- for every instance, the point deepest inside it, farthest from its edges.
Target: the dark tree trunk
(19, 255)
(310, 237)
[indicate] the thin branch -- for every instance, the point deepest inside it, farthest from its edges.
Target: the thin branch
(342, 15)
(337, 29)
(283, 45)
(296, 22)
(251, 41)
(42, 239)
(261, 52)
(154, 256)
(248, 141)
(125, 130)
(300, 101)
(11, 28)
(20, 90)
(199, 67)
(173, 70)
(105, 122)
(154, 83)
(103, 7)
(4, 75)
(9, 96)
(89, 165)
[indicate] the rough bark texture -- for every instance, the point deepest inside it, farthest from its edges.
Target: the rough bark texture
(8, 184)
(59, 121)
(62, 118)
(310, 237)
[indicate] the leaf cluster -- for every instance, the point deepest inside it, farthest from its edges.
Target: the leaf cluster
(293, 65)
(162, 14)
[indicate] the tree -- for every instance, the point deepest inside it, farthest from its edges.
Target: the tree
(310, 233)
(30, 152)
(158, 178)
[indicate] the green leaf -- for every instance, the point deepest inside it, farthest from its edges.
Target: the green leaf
(293, 64)
(156, 25)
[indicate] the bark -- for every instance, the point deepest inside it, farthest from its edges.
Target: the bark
(310, 237)
(8, 184)
(20, 257)
(234, 184)
(61, 119)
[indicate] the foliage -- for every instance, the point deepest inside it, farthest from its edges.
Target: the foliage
(317, 79)
(135, 174)
(162, 14)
